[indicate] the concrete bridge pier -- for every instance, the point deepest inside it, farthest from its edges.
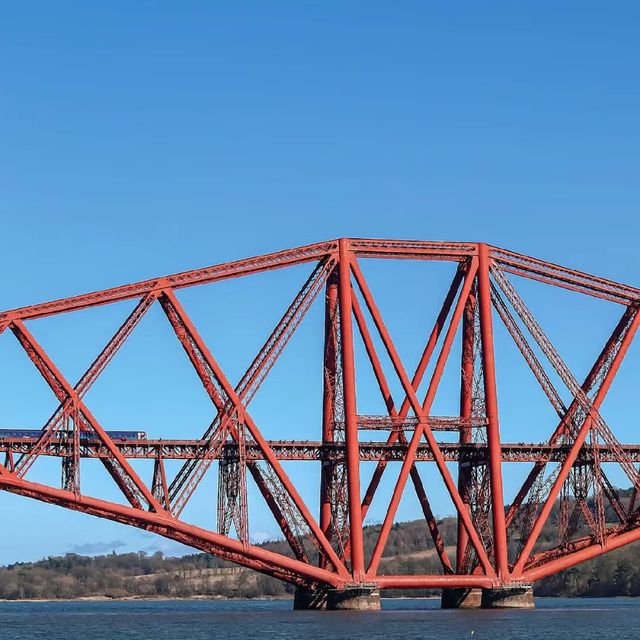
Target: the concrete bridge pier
(518, 596)
(509, 597)
(309, 599)
(351, 598)
(461, 598)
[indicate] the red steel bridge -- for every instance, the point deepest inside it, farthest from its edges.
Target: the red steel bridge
(498, 544)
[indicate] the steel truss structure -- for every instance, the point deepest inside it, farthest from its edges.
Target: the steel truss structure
(497, 544)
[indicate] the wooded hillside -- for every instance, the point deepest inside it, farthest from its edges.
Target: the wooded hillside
(409, 550)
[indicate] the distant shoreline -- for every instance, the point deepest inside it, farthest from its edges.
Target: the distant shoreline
(145, 598)
(186, 598)
(199, 576)
(260, 598)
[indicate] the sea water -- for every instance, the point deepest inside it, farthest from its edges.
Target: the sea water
(561, 618)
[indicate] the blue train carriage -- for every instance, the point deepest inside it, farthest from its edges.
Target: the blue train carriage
(84, 435)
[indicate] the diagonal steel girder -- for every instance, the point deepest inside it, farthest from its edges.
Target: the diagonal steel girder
(222, 392)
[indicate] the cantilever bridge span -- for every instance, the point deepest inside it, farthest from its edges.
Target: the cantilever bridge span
(498, 545)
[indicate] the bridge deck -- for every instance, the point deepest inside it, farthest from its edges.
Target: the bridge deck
(315, 450)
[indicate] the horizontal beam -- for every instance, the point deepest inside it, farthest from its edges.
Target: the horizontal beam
(509, 261)
(402, 423)
(434, 582)
(310, 450)
(412, 249)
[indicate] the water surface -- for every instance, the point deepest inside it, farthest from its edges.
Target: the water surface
(604, 619)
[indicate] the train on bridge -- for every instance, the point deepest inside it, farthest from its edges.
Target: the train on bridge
(35, 434)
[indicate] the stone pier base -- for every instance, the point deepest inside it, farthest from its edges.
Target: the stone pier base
(309, 599)
(461, 598)
(367, 598)
(508, 597)
(511, 597)
(357, 598)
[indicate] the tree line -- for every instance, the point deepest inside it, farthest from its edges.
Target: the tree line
(410, 550)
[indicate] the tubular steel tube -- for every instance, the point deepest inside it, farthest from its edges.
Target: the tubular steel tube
(466, 409)
(149, 520)
(328, 401)
(491, 398)
(573, 558)
(350, 414)
(434, 582)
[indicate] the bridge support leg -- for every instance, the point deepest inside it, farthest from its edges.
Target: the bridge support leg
(509, 597)
(461, 598)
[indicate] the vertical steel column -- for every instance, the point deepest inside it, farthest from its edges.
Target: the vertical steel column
(159, 485)
(350, 413)
(493, 426)
(328, 405)
(466, 411)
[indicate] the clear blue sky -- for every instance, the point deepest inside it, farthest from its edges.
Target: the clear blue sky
(144, 138)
